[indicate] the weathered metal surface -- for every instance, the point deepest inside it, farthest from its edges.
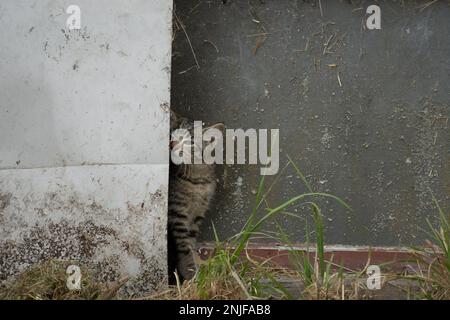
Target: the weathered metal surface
(83, 137)
(96, 95)
(351, 258)
(110, 218)
(377, 135)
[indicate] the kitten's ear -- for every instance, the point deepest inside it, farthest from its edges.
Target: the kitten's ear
(219, 126)
(174, 120)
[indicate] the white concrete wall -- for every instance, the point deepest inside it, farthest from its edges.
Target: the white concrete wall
(83, 136)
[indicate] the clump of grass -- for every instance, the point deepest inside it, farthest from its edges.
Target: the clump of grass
(319, 276)
(432, 264)
(255, 278)
(48, 281)
(232, 274)
(218, 279)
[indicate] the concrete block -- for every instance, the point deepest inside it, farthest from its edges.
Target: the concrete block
(84, 129)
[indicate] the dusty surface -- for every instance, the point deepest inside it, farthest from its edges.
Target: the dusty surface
(87, 96)
(61, 213)
(84, 130)
(364, 114)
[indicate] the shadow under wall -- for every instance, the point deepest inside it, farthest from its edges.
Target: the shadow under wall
(363, 113)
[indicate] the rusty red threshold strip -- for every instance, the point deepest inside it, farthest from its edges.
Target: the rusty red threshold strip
(352, 258)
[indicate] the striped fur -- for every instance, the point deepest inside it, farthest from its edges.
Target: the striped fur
(191, 188)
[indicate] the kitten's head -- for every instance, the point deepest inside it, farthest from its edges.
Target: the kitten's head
(182, 141)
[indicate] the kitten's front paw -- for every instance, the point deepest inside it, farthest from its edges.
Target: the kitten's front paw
(188, 274)
(187, 267)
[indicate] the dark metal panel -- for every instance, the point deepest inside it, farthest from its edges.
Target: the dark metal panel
(378, 136)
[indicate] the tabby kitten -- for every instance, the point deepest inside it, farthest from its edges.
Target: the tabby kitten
(191, 188)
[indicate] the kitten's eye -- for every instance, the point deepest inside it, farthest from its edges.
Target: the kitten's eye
(181, 153)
